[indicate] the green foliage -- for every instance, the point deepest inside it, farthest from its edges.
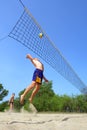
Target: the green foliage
(42, 100)
(3, 92)
(17, 105)
(47, 100)
(54, 103)
(3, 106)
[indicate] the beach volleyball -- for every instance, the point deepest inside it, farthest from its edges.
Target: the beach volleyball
(40, 35)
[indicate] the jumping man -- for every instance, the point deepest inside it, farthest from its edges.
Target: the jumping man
(36, 80)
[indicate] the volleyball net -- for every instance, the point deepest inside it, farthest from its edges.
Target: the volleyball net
(27, 30)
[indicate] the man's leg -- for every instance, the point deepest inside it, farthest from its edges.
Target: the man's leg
(37, 87)
(26, 91)
(10, 106)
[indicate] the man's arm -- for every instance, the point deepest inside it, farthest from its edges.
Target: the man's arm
(45, 78)
(30, 58)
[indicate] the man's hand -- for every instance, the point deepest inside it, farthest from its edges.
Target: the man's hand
(46, 80)
(29, 56)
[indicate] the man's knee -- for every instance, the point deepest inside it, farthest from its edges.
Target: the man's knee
(33, 83)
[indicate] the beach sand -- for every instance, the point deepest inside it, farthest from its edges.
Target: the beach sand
(42, 121)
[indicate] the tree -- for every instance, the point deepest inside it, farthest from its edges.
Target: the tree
(47, 100)
(3, 106)
(42, 100)
(3, 92)
(17, 105)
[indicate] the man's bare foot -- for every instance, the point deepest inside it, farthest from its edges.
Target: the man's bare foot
(21, 99)
(30, 100)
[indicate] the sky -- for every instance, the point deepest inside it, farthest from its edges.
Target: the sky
(65, 22)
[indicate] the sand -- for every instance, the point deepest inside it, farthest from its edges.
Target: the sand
(42, 121)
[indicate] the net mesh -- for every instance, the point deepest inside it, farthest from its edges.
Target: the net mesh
(27, 31)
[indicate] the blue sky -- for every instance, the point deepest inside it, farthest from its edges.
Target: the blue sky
(64, 21)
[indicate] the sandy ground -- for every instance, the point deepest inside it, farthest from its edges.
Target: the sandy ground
(39, 121)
